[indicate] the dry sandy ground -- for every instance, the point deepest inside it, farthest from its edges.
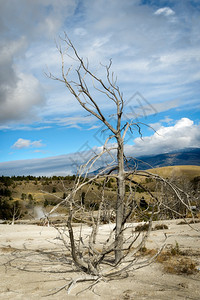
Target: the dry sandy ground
(37, 267)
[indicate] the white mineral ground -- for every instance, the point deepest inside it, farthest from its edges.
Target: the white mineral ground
(35, 269)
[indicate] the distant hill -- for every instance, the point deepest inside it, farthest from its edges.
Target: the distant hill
(188, 172)
(178, 158)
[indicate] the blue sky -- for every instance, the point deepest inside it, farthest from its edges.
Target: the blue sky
(155, 49)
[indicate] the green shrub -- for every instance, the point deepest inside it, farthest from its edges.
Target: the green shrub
(7, 209)
(5, 192)
(46, 202)
(54, 190)
(30, 197)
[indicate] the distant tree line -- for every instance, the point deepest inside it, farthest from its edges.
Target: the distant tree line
(9, 180)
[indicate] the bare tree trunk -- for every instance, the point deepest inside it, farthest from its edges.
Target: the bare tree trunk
(120, 202)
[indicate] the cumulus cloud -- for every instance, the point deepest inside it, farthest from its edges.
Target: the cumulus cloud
(24, 24)
(23, 143)
(19, 100)
(183, 134)
(20, 92)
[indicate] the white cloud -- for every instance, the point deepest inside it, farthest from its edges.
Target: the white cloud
(167, 120)
(23, 143)
(94, 127)
(166, 11)
(184, 123)
(156, 126)
(183, 134)
(20, 100)
(75, 121)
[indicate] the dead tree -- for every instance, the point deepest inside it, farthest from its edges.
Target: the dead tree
(80, 90)
(85, 249)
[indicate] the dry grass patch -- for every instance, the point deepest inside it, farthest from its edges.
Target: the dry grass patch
(176, 261)
(189, 222)
(145, 227)
(160, 227)
(180, 265)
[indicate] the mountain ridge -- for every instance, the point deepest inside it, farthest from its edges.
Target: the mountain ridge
(189, 156)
